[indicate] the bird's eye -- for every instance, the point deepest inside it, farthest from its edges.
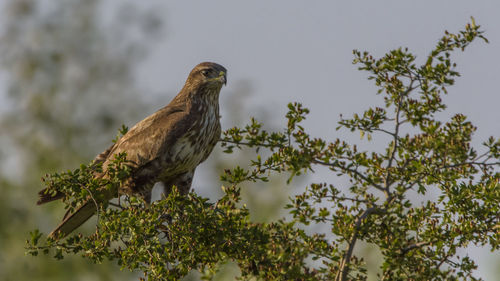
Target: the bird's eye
(205, 72)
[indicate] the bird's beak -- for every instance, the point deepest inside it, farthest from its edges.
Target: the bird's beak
(222, 77)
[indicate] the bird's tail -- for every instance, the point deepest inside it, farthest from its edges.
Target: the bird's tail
(45, 197)
(74, 220)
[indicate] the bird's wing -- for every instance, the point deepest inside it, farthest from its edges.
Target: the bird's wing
(149, 138)
(100, 158)
(143, 144)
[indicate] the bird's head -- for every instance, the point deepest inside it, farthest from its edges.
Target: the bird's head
(208, 74)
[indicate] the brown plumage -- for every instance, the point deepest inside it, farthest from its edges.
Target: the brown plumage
(165, 147)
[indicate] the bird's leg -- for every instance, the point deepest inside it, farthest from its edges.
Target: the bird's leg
(182, 181)
(147, 197)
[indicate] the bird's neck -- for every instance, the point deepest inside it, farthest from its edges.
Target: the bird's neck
(205, 99)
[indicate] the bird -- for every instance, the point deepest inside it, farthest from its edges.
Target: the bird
(165, 147)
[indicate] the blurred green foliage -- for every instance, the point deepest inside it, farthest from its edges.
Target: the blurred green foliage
(68, 79)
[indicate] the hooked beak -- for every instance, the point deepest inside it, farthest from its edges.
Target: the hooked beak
(223, 77)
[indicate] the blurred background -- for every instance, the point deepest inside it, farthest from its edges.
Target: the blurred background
(71, 72)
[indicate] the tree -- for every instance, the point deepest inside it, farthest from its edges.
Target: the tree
(418, 240)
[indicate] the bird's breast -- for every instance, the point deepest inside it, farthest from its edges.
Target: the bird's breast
(194, 146)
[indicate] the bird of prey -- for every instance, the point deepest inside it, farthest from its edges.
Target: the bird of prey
(165, 147)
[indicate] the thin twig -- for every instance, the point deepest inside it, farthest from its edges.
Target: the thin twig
(358, 174)
(385, 131)
(349, 199)
(414, 246)
(252, 144)
(469, 163)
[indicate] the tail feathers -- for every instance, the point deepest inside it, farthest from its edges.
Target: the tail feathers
(44, 196)
(74, 220)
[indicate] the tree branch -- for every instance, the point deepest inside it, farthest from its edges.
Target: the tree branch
(395, 138)
(344, 264)
(414, 246)
(252, 144)
(343, 198)
(344, 169)
(385, 131)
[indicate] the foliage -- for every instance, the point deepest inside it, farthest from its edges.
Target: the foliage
(418, 239)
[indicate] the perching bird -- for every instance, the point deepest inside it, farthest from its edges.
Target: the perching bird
(165, 147)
